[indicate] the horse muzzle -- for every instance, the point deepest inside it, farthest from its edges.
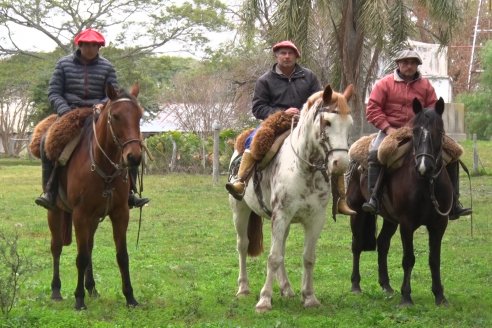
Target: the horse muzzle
(338, 161)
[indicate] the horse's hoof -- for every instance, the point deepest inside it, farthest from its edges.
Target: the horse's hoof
(356, 290)
(388, 290)
(93, 293)
(442, 301)
(264, 305)
(406, 303)
(80, 305)
(287, 292)
(56, 296)
(133, 303)
(242, 292)
(311, 302)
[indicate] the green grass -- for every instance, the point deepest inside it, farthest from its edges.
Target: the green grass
(185, 269)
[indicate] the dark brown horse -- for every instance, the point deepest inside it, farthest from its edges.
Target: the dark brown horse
(93, 184)
(418, 193)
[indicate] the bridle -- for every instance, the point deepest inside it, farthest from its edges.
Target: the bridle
(324, 141)
(428, 152)
(116, 140)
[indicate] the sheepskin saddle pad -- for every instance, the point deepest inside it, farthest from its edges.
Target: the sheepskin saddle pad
(62, 134)
(268, 138)
(395, 146)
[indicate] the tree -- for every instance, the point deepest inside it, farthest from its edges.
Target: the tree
(478, 104)
(143, 25)
(18, 77)
(349, 35)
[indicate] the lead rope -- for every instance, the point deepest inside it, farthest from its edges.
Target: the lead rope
(140, 187)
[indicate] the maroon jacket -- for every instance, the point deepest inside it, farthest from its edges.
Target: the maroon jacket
(390, 102)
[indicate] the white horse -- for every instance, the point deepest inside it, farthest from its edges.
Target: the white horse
(295, 189)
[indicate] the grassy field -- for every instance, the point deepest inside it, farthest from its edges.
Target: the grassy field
(185, 269)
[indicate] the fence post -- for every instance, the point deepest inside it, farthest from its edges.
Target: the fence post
(216, 164)
(475, 155)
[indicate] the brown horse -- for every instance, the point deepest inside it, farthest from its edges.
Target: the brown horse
(93, 184)
(418, 193)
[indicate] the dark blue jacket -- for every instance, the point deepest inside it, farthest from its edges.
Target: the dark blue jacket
(75, 84)
(275, 92)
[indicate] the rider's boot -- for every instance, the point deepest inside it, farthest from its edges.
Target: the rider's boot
(49, 181)
(457, 210)
(373, 175)
(133, 199)
(237, 188)
(342, 206)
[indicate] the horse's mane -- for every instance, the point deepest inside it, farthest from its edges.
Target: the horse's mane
(429, 119)
(336, 98)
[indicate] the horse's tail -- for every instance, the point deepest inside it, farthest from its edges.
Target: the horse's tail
(368, 241)
(255, 235)
(66, 229)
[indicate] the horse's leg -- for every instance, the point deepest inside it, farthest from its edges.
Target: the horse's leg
(54, 223)
(283, 280)
(120, 226)
(90, 284)
(408, 262)
(384, 242)
(311, 236)
(436, 232)
(82, 234)
(279, 228)
(240, 215)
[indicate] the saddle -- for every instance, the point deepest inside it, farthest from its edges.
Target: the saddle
(62, 134)
(394, 148)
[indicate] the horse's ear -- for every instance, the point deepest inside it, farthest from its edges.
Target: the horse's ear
(347, 94)
(135, 89)
(110, 91)
(327, 94)
(439, 108)
(417, 106)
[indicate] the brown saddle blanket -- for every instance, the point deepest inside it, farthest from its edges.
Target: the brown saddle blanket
(395, 146)
(62, 134)
(268, 139)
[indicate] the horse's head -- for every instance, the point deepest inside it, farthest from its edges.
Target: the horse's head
(428, 132)
(123, 113)
(332, 121)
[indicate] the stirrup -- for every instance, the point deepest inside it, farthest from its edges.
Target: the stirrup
(371, 206)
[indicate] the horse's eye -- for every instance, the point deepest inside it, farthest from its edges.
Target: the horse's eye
(328, 123)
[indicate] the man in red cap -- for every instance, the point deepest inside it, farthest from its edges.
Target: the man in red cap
(285, 87)
(79, 80)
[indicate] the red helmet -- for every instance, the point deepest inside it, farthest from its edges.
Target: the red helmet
(287, 44)
(90, 36)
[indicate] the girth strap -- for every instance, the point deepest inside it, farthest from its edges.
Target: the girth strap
(259, 194)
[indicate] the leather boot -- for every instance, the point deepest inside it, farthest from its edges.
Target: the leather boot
(342, 206)
(237, 188)
(133, 199)
(373, 173)
(49, 181)
(454, 176)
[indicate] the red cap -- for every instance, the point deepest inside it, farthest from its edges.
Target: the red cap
(287, 44)
(90, 36)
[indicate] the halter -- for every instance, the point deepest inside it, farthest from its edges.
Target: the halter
(435, 174)
(325, 143)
